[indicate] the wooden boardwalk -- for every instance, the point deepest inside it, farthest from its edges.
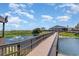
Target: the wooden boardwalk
(1, 41)
(44, 47)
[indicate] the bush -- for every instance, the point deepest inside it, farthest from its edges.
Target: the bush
(36, 31)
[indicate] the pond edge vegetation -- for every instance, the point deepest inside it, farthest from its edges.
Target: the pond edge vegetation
(68, 35)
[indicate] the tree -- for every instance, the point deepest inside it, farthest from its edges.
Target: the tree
(36, 31)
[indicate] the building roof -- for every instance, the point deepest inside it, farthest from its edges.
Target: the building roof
(57, 26)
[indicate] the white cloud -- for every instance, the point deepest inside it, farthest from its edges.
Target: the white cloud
(21, 11)
(46, 17)
(32, 11)
(13, 6)
(66, 5)
(14, 16)
(73, 8)
(16, 6)
(30, 15)
(22, 5)
(69, 8)
(26, 14)
(15, 23)
(16, 20)
(51, 4)
(7, 14)
(63, 18)
(12, 19)
(29, 4)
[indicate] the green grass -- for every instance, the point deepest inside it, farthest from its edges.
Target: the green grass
(68, 34)
(18, 33)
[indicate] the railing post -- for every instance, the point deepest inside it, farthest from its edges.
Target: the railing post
(3, 30)
(18, 49)
(31, 44)
(2, 51)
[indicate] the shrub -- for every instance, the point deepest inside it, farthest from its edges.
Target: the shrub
(36, 31)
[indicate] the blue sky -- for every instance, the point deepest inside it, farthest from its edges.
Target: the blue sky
(29, 16)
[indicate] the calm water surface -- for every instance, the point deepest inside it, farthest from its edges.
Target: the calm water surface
(15, 39)
(69, 46)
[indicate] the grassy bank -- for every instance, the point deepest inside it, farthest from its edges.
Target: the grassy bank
(17, 33)
(20, 33)
(68, 34)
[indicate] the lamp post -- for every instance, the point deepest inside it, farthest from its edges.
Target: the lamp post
(3, 20)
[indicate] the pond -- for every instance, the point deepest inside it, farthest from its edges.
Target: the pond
(68, 46)
(15, 39)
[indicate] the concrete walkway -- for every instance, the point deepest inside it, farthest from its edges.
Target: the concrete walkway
(43, 48)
